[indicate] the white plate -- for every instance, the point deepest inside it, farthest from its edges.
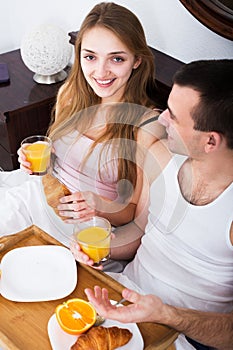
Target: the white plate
(61, 340)
(38, 273)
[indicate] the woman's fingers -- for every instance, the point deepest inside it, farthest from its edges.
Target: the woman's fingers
(89, 198)
(76, 196)
(26, 169)
(75, 210)
(24, 164)
(80, 256)
(74, 215)
(79, 206)
(74, 206)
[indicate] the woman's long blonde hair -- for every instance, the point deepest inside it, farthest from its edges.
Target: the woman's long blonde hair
(76, 96)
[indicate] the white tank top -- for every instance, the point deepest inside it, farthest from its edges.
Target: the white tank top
(186, 256)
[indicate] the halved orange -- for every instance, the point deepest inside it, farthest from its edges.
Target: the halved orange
(75, 316)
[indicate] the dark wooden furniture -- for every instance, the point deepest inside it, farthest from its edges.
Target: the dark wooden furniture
(25, 108)
(165, 65)
(217, 15)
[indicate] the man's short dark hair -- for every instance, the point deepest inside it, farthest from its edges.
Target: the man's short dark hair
(213, 79)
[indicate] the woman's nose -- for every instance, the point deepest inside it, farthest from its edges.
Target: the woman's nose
(101, 68)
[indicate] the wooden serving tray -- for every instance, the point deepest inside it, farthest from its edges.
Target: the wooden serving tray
(23, 325)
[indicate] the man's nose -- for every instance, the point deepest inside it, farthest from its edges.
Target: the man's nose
(163, 118)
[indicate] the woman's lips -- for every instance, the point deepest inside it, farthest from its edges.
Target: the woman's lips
(104, 83)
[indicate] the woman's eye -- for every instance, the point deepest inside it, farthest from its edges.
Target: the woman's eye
(89, 57)
(118, 59)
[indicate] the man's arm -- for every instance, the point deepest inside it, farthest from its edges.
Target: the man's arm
(208, 328)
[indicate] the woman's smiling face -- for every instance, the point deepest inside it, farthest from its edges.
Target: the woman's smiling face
(106, 63)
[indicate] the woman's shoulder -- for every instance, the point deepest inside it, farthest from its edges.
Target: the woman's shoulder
(149, 129)
(150, 116)
(157, 157)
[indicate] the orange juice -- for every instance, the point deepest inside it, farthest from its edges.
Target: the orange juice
(38, 154)
(95, 242)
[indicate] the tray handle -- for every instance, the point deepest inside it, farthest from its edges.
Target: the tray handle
(9, 241)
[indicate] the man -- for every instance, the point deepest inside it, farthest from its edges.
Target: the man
(185, 260)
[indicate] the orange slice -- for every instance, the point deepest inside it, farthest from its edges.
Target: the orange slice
(75, 316)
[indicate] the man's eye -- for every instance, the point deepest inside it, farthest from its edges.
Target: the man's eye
(172, 116)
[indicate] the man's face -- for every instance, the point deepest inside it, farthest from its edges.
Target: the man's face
(182, 138)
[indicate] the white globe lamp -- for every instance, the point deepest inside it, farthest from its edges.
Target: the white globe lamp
(46, 51)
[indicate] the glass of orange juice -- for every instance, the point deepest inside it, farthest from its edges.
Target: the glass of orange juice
(37, 150)
(94, 237)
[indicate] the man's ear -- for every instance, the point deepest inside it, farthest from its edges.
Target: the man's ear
(137, 63)
(213, 141)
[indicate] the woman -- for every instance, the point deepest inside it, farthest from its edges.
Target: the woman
(104, 122)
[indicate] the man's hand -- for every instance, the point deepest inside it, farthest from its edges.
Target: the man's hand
(143, 308)
(209, 328)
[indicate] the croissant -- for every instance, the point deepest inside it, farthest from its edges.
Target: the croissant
(102, 338)
(54, 190)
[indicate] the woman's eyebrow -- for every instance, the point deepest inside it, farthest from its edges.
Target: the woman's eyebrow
(110, 53)
(118, 53)
(88, 50)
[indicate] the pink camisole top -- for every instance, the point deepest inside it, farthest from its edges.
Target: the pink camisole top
(98, 173)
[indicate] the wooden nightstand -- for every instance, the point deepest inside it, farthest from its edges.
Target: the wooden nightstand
(25, 108)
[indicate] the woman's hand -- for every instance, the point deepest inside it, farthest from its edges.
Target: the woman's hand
(22, 159)
(24, 164)
(80, 256)
(79, 206)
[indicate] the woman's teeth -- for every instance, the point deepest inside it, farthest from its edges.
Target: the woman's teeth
(104, 82)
